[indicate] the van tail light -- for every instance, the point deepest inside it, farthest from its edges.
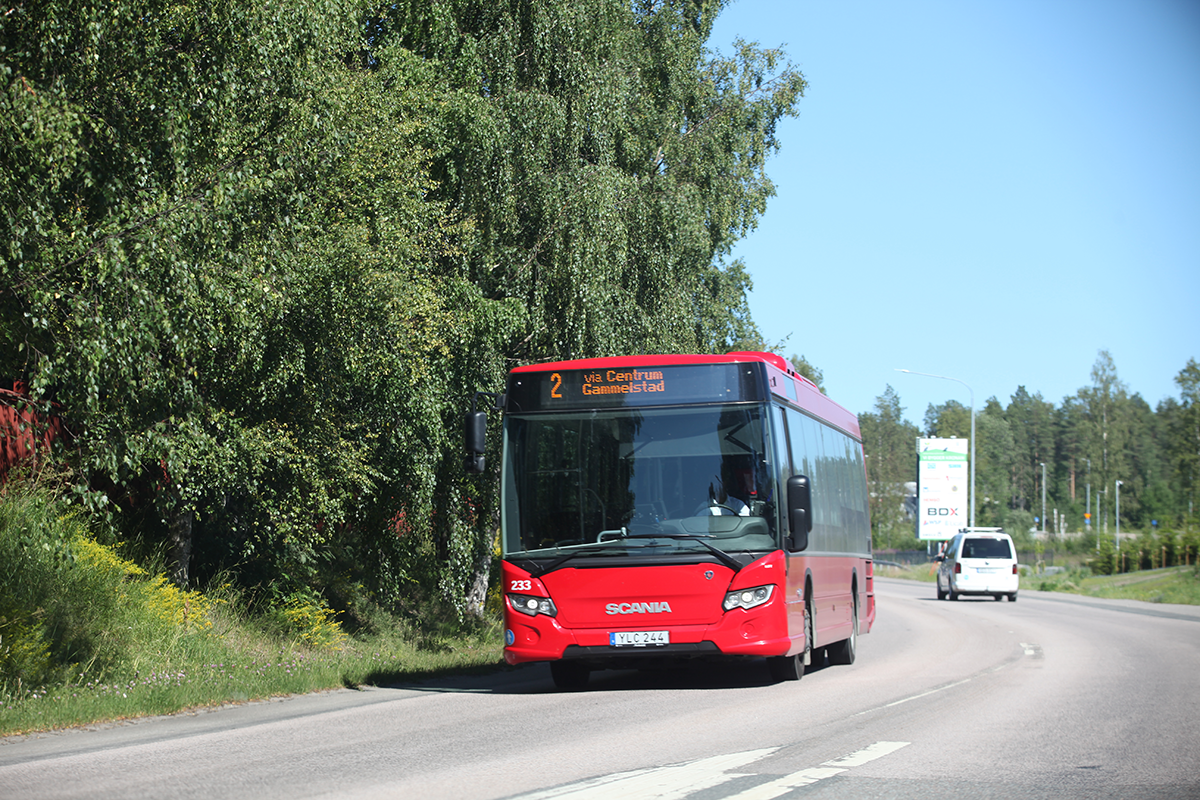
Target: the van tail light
(957, 568)
(1014, 569)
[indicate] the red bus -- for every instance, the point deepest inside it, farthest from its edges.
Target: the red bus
(664, 508)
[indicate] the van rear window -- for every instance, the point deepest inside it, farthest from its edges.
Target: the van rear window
(986, 548)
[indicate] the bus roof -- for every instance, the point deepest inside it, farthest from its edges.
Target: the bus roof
(804, 392)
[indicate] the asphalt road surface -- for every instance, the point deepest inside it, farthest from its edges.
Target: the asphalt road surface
(1054, 696)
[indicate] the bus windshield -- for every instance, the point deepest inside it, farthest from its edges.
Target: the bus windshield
(638, 481)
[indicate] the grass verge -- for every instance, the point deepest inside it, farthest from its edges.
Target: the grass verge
(1171, 585)
(88, 637)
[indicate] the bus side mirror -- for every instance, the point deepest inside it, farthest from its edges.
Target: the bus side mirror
(475, 437)
(475, 431)
(799, 505)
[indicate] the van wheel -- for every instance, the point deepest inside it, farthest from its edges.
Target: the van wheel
(569, 675)
(997, 597)
(1012, 598)
(843, 652)
(953, 595)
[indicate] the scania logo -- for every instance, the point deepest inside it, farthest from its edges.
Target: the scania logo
(638, 608)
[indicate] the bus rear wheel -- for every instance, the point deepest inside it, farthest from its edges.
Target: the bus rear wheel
(569, 675)
(843, 652)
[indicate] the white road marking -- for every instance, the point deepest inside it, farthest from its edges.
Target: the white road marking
(935, 690)
(781, 786)
(666, 783)
(910, 698)
(678, 781)
(867, 754)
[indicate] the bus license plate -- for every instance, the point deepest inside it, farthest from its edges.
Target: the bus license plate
(638, 638)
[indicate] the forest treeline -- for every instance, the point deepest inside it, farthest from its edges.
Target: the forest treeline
(1101, 434)
(258, 256)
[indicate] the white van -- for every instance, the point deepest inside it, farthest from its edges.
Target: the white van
(978, 561)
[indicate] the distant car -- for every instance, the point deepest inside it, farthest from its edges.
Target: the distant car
(977, 563)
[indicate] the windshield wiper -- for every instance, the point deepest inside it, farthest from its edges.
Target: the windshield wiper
(724, 557)
(558, 562)
(617, 536)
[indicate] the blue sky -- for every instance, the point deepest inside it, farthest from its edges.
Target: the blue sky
(992, 191)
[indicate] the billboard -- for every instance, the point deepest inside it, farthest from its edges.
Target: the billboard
(943, 487)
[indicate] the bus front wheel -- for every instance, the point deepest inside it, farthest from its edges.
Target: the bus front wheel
(786, 668)
(791, 668)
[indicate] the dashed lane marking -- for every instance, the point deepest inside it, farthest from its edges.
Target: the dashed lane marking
(1028, 649)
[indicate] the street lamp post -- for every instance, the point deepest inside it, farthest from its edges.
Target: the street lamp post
(1087, 517)
(1043, 465)
(1118, 514)
(972, 391)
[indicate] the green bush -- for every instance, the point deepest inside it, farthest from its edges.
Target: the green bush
(306, 618)
(41, 629)
(71, 609)
(1104, 562)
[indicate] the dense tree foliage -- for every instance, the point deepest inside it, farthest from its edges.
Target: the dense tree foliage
(260, 255)
(890, 444)
(1093, 438)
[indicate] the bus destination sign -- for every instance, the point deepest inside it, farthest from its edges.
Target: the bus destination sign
(599, 382)
(633, 386)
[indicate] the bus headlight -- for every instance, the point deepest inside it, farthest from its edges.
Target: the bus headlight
(748, 598)
(532, 606)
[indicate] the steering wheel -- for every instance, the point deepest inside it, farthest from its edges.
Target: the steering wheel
(705, 510)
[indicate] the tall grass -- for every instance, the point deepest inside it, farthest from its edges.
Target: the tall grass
(87, 636)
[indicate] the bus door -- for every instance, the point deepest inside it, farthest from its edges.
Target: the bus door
(794, 588)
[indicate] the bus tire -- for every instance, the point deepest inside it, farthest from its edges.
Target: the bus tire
(786, 668)
(844, 652)
(569, 675)
(791, 668)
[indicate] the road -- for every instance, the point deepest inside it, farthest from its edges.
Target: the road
(1050, 697)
